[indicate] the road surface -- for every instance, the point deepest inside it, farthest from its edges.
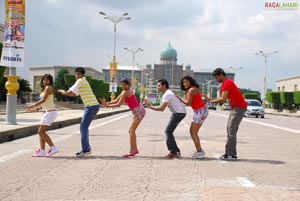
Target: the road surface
(268, 167)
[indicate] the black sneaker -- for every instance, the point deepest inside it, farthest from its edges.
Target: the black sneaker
(227, 157)
(83, 153)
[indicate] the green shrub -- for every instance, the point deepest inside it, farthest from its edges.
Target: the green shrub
(119, 90)
(297, 97)
(273, 97)
(69, 79)
(287, 99)
(97, 87)
(105, 89)
(251, 96)
(60, 83)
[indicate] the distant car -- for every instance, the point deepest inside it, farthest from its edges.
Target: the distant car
(226, 106)
(211, 106)
(254, 108)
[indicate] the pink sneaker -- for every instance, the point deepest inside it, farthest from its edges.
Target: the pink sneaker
(53, 150)
(131, 154)
(39, 153)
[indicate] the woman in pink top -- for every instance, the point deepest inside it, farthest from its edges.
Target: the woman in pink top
(137, 109)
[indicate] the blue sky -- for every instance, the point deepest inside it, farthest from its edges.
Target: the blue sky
(206, 34)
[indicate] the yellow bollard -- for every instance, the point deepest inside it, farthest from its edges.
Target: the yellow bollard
(12, 85)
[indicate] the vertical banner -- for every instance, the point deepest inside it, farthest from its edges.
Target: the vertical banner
(133, 84)
(14, 34)
(113, 71)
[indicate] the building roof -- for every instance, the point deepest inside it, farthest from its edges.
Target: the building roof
(210, 70)
(288, 78)
(136, 68)
(204, 70)
(169, 52)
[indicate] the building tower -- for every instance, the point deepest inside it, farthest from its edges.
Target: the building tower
(168, 67)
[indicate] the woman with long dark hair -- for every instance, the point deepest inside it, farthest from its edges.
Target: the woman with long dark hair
(137, 109)
(193, 98)
(47, 104)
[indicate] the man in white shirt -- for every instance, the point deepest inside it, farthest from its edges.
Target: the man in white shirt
(178, 113)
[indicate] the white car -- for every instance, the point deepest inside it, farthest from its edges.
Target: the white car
(254, 108)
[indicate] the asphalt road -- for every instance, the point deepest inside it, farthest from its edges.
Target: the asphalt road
(268, 167)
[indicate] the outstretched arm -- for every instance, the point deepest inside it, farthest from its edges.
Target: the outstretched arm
(115, 101)
(119, 101)
(161, 107)
(48, 91)
(191, 93)
(221, 99)
(66, 93)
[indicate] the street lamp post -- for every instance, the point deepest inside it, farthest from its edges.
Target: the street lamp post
(265, 56)
(235, 70)
(133, 52)
(113, 65)
(209, 83)
(172, 73)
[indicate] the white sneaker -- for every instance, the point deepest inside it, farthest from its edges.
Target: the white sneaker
(199, 154)
(39, 153)
(52, 150)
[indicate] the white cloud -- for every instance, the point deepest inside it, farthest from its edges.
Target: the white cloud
(206, 34)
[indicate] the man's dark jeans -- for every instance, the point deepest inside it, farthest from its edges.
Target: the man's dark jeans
(175, 119)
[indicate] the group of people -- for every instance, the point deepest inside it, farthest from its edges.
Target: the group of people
(193, 97)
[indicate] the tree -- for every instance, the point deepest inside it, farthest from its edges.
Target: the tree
(251, 96)
(24, 88)
(69, 80)
(243, 91)
(287, 99)
(2, 89)
(274, 98)
(2, 68)
(297, 98)
(60, 83)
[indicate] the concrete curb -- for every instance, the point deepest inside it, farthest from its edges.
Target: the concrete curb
(18, 133)
(285, 115)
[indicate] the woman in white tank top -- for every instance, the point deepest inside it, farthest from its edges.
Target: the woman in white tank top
(47, 104)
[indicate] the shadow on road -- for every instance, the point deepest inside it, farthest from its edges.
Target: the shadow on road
(256, 161)
(132, 158)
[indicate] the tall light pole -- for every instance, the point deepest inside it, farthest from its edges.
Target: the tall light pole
(209, 83)
(235, 70)
(265, 56)
(115, 20)
(113, 65)
(133, 52)
(172, 73)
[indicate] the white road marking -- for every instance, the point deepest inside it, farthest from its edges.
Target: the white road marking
(185, 124)
(263, 124)
(14, 155)
(217, 156)
(25, 151)
(109, 121)
(245, 182)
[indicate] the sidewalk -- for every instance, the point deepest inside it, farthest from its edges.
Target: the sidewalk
(28, 123)
(283, 113)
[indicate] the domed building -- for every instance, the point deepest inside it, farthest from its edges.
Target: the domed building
(168, 67)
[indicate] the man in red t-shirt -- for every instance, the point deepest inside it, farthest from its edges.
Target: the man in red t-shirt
(230, 92)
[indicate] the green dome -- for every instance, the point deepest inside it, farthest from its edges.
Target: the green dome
(168, 52)
(188, 67)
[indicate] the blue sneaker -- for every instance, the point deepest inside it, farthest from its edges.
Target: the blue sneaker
(83, 153)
